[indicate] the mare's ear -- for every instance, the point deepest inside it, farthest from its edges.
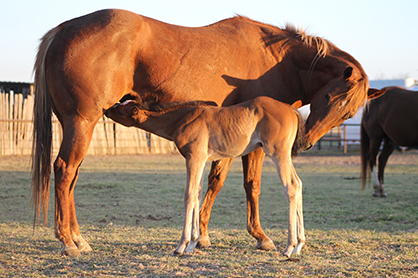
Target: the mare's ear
(297, 104)
(374, 93)
(347, 73)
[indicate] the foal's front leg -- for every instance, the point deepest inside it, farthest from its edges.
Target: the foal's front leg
(292, 187)
(195, 167)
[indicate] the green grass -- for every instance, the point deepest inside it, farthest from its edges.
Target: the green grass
(130, 209)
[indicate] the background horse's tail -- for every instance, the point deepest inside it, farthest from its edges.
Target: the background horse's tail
(364, 154)
(300, 140)
(42, 133)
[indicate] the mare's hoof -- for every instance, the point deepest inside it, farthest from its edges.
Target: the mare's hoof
(72, 252)
(384, 194)
(204, 242)
(266, 245)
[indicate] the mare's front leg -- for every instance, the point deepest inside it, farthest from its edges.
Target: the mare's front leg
(216, 181)
(252, 166)
(195, 167)
(292, 187)
(76, 139)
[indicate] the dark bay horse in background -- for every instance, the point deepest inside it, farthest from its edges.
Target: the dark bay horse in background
(89, 63)
(391, 119)
(207, 133)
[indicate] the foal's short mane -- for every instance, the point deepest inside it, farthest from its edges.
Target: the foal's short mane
(165, 107)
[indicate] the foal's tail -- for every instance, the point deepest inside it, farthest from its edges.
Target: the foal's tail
(300, 141)
(364, 154)
(42, 133)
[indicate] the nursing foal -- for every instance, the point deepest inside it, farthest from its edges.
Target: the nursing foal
(205, 132)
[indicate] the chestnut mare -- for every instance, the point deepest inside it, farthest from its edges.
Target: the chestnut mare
(89, 63)
(203, 133)
(393, 119)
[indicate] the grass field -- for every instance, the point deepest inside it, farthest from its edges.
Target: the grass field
(130, 209)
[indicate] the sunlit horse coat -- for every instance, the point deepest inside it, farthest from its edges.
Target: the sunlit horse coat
(87, 64)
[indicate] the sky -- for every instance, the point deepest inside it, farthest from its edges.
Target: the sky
(380, 34)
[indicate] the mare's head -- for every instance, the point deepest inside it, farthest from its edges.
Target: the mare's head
(333, 82)
(336, 102)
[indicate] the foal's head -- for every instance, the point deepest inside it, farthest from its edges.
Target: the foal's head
(126, 113)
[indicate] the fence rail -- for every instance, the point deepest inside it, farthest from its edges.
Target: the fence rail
(108, 138)
(341, 137)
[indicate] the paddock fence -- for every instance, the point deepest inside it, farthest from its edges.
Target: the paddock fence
(109, 138)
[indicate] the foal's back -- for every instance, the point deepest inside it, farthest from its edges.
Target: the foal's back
(239, 129)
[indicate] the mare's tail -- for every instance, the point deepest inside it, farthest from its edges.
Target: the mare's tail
(42, 133)
(364, 154)
(300, 140)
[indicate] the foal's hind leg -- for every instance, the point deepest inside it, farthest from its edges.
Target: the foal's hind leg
(252, 164)
(387, 150)
(217, 177)
(73, 148)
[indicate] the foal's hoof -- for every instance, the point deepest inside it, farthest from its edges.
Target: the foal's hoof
(72, 252)
(177, 254)
(85, 248)
(204, 242)
(266, 245)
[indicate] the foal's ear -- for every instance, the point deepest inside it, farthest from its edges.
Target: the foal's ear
(297, 104)
(374, 93)
(134, 111)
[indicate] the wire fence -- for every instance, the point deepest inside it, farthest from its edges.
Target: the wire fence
(109, 138)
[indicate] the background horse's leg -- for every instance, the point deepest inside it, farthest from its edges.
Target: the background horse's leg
(252, 166)
(387, 150)
(374, 150)
(76, 140)
(217, 177)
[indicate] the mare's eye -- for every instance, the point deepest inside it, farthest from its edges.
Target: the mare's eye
(327, 98)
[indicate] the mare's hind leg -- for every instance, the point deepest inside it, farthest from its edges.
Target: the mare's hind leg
(81, 243)
(387, 150)
(252, 164)
(76, 140)
(217, 177)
